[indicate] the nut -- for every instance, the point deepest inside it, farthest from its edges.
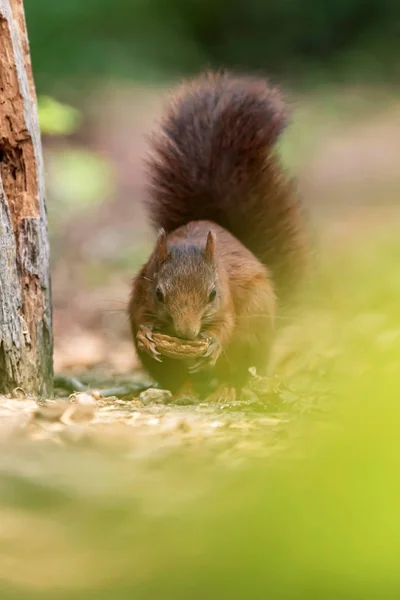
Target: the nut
(178, 349)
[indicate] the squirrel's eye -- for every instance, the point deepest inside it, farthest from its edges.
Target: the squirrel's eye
(159, 295)
(212, 295)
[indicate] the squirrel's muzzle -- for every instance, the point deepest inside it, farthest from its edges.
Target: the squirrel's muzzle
(187, 330)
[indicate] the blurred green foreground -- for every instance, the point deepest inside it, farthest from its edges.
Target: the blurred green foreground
(320, 518)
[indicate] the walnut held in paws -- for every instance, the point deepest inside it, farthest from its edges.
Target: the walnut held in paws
(175, 348)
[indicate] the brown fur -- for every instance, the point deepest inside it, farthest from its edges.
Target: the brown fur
(214, 159)
(233, 225)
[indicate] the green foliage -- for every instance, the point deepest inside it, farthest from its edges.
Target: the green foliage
(57, 118)
(78, 180)
(81, 176)
(153, 38)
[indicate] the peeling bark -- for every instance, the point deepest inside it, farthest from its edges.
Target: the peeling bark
(25, 299)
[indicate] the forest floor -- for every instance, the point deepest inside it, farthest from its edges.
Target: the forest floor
(100, 404)
(290, 492)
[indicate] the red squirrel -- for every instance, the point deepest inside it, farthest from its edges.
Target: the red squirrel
(231, 244)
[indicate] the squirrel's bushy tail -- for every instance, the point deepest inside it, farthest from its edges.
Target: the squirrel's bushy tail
(213, 159)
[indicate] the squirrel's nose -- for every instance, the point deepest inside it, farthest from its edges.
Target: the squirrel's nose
(187, 331)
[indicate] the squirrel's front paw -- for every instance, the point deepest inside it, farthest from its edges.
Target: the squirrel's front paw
(210, 356)
(146, 343)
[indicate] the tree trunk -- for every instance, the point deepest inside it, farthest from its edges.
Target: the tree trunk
(26, 342)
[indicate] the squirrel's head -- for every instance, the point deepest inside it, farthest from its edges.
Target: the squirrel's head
(185, 286)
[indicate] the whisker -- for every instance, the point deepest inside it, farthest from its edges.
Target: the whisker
(226, 356)
(114, 300)
(263, 315)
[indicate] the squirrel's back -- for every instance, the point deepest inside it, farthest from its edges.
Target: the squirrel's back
(213, 159)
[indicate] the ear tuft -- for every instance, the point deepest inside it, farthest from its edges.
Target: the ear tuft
(209, 251)
(161, 246)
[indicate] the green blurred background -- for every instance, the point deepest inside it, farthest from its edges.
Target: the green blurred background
(153, 40)
(102, 67)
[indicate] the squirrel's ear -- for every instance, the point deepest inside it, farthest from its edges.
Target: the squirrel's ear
(209, 250)
(161, 246)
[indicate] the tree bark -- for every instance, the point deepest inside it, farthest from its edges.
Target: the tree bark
(26, 342)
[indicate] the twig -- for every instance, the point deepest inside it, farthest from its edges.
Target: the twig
(72, 384)
(69, 384)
